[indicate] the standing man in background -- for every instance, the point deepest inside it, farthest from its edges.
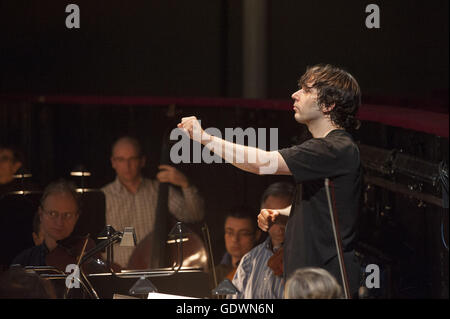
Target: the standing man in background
(131, 199)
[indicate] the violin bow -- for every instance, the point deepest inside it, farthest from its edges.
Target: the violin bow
(83, 249)
(207, 239)
(207, 236)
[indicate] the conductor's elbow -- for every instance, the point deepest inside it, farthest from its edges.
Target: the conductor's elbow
(269, 164)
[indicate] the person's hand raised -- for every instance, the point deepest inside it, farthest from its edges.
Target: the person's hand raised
(193, 128)
(266, 218)
(169, 174)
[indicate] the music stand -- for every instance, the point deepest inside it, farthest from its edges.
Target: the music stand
(142, 287)
(226, 287)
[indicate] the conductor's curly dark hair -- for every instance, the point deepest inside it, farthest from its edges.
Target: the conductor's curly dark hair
(336, 88)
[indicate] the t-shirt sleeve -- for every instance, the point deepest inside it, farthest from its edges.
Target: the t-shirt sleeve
(315, 159)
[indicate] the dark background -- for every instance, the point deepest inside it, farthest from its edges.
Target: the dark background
(194, 48)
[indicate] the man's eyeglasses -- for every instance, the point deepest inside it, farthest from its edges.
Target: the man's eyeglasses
(54, 215)
(121, 160)
(238, 234)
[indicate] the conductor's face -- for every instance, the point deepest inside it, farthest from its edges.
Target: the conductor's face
(127, 162)
(305, 106)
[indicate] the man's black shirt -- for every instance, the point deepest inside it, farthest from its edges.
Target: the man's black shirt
(309, 240)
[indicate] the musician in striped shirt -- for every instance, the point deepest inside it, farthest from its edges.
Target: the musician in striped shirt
(260, 272)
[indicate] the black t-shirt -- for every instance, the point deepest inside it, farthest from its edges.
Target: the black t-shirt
(309, 239)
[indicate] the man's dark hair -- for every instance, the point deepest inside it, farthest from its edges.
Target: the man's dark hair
(61, 186)
(243, 212)
(128, 139)
(279, 189)
(335, 86)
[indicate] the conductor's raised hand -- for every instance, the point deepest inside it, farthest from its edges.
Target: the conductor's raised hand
(192, 127)
(266, 218)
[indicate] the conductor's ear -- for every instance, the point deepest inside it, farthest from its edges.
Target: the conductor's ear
(329, 108)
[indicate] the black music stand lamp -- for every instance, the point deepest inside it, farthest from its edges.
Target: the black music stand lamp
(178, 234)
(127, 238)
(106, 234)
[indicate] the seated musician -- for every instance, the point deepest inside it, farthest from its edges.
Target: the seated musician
(11, 160)
(260, 272)
(58, 214)
(131, 199)
(16, 210)
(241, 235)
(312, 283)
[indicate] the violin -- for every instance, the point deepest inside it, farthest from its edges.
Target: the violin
(276, 262)
(68, 251)
(231, 274)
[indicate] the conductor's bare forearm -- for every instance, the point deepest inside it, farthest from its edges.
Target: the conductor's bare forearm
(285, 211)
(247, 158)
